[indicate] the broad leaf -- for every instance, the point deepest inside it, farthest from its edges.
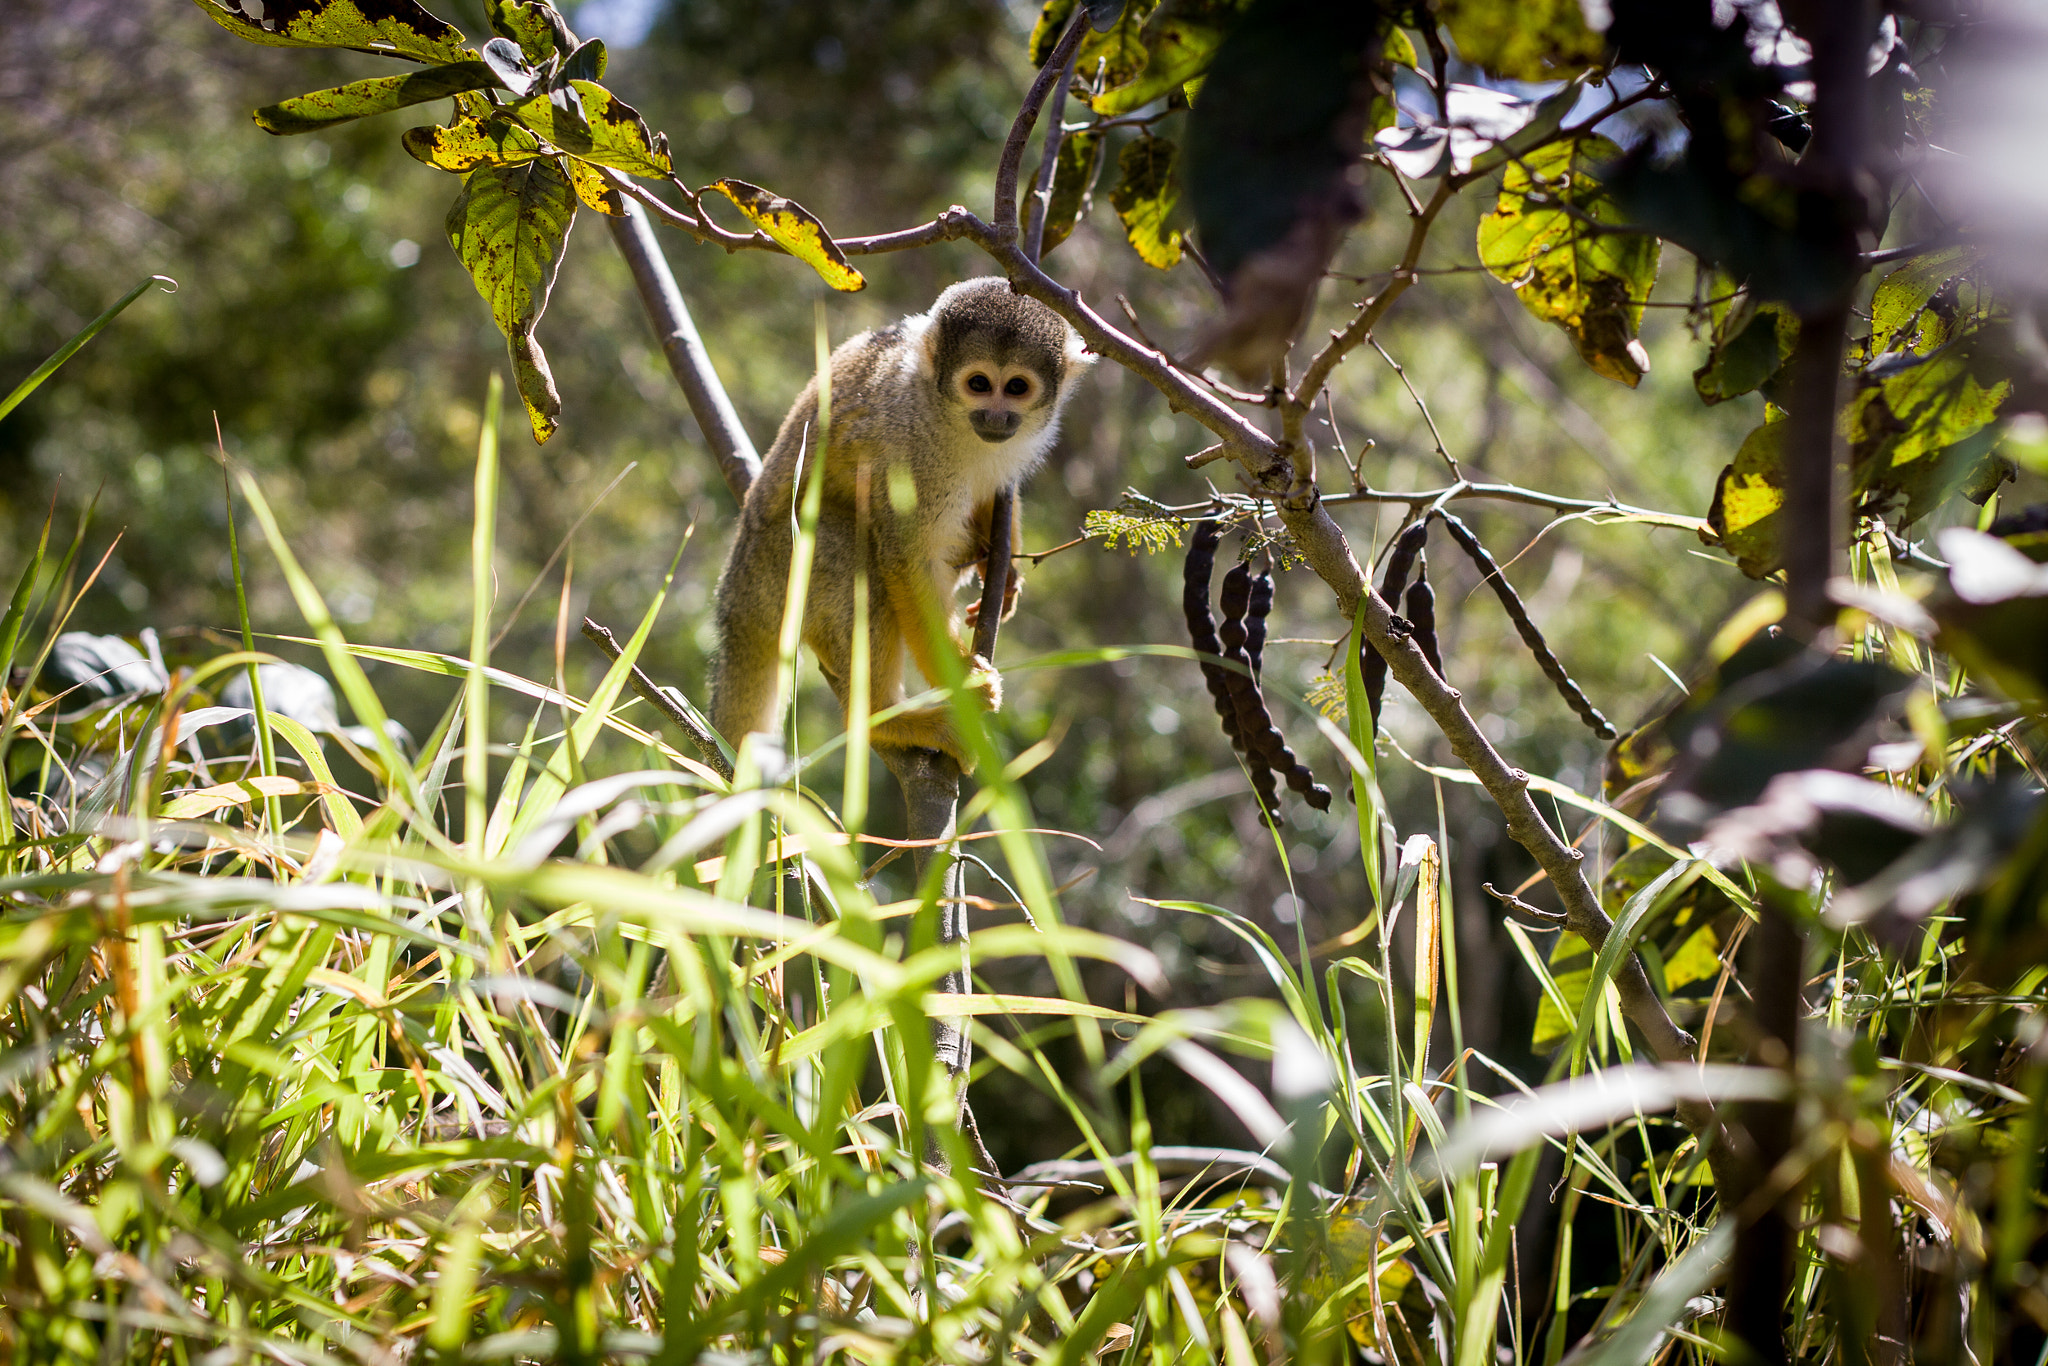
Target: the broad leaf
(472, 142)
(1920, 306)
(525, 23)
(378, 95)
(1924, 432)
(1181, 38)
(1994, 612)
(1546, 239)
(1144, 199)
(588, 121)
(1747, 499)
(1080, 157)
(509, 226)
(1523, 40)
(390, 28)
(1751, 343)
(587, 62)
(797, 229)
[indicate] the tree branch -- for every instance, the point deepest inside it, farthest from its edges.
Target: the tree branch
(688, 361)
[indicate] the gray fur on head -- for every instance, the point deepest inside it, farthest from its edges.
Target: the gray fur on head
(985, 319)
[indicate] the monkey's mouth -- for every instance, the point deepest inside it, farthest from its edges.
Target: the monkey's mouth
(993, 438)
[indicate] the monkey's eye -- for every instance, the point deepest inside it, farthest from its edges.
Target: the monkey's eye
(1017, 387)
(980, 384)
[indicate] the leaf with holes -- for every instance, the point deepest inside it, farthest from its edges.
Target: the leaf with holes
(1747, 500)
(1181, 38)
(509, 226)
(1523, 40)
(797, 229)
(471, 142)
(1079, 160)
(586, 120)
(1145, 197)
(378, 95)
(1554, 238)
(389, 28)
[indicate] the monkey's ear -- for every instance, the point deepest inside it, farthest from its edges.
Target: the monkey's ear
(1079, 357)
(919, 331)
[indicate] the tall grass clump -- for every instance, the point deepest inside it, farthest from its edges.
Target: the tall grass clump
(436, 1071)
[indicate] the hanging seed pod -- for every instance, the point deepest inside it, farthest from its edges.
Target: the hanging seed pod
(1372, 666)
(1194, 603)
(1262, 737)
(1255, 622)
(1553, 669)
(1420, 609)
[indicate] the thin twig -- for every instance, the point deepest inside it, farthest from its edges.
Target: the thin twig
(660, 699)
(1055, 134)
(1057, 67)
(1401, 373)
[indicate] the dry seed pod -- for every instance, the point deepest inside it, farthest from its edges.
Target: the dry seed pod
(1420, 609)
(1372, 667)
(1255, 628)
(1552, 667)
(1262, 737)
(1194, 602)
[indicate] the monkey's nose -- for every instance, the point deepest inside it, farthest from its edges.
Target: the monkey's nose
(995, 426)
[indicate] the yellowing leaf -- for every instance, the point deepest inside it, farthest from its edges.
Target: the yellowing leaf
(390, 28)
(471, 142)
(1697, 960)
(1144, 199)
(1549, 238)
(509, 226)
(1180, 39)
(207, 800)
(1080, 157)
(592, 188)
(1747, 499)
(523, 22)
(797, 229)
(379, 95)
(1523, 40)
(586, 120)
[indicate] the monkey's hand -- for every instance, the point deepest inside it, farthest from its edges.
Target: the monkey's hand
(1010, 592)
(985, 683)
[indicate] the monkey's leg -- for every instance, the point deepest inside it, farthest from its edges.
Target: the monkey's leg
(923, 728)
(750, 600)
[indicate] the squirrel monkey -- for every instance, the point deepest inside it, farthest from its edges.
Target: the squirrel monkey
(931, 418)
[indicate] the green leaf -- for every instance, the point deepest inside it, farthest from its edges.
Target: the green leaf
(1110, 57)
(1747, 499)
(71, 348)
(1523, 40)
(1045, 34)
(1751, 343)
(1144, 199)
(378, 95)
(1180, 38)
(1545, 239)
(1079, 160)
(390, 28)
(797, 229)
(586, 120)
(1921, 433)
(509, 226)
(1920, 306)
(472, 142)
(525, 23)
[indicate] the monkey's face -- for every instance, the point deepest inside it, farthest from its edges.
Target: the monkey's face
(998, 398)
